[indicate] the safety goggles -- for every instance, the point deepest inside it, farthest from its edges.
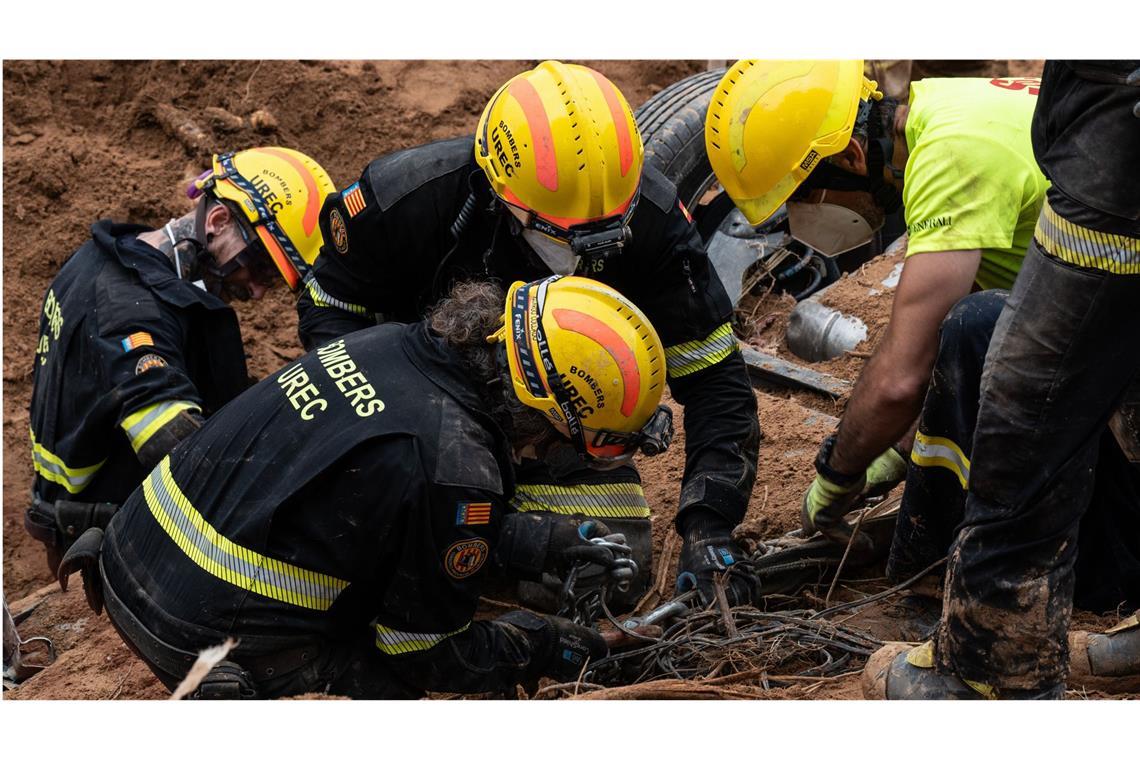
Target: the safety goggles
(254, 258)
(607, 448)
(280, 248)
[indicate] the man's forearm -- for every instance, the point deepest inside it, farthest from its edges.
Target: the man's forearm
(882, 410)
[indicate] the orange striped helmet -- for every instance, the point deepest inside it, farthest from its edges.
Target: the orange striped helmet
(560, 143)
(590, 361)
(280, 191)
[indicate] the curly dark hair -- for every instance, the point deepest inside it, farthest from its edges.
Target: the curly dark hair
(471, 312)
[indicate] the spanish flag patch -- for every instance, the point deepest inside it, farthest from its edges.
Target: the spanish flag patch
(353, 200)
(137, 340)
(473, 513)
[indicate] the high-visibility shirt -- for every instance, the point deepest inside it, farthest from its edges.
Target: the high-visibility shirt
(971, 179)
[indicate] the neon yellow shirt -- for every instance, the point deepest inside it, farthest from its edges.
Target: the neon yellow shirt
(971, 180)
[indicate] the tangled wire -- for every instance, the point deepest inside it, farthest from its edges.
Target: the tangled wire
(721, 645)
(708, 644)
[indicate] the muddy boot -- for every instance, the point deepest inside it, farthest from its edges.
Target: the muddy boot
(1108, 662)
(921, 615)
(901, 671)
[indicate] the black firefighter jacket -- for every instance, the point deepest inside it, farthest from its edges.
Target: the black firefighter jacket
(389, 253)
(359, 490)
(124, 346)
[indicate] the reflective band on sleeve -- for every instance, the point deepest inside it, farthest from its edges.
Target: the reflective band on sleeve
(321, 297)
(391, 641)
(615, 500)
(228, 561)
(687, 358)
(144, 423)
(931, 451)
(50, 467)
(1087, 248)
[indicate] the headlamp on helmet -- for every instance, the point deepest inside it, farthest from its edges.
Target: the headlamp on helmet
(559, 145)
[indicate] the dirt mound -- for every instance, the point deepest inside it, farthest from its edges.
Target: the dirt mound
(87, 140)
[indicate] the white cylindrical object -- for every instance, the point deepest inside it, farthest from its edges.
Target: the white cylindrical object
(817, 333)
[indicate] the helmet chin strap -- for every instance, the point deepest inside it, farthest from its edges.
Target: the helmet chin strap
(202, 265)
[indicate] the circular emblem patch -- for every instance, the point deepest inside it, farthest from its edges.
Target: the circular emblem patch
(339, 231)
(464, 558)
(150, 361)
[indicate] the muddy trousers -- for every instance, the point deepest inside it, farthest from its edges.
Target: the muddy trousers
(1062, 355)
(1107, 572)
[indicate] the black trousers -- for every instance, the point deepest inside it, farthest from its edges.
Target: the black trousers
(1063, 352)
(271, 668)
(1107, 572)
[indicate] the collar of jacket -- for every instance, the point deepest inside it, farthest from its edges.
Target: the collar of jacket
(156, 271)
(441, 366)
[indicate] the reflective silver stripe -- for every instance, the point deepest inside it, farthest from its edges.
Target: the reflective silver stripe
(932, 451)
(228, 561)
(391, 641)
(620, 500)
(686, 358)
(51, 467)
(1084, 247)
(137, 430)
(322, 298)
(59, 474)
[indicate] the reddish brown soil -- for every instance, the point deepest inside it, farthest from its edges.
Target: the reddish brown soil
(93, 139)
(85, 140)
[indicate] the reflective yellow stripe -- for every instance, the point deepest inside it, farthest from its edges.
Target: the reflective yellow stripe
(1119, 254)
(228, 561)
(322, 298)
(391, 641)
(147, 421)
(931, 451)
(50, 467)
(687, 358)
(620, 500)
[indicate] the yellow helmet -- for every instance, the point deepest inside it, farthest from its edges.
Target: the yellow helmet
(560, 144)
(281, 191)
(771, 122)
(589, 360)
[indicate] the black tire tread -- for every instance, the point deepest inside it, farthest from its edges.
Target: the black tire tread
(672, 125)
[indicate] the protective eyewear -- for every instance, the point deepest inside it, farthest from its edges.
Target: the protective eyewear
(254, 258)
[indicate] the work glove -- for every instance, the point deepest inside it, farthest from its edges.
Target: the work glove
(531, 543)
(886, 472)
(709, 552)
(830, 497)
(561, 648)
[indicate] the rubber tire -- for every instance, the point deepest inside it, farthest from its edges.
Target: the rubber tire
(672, 125)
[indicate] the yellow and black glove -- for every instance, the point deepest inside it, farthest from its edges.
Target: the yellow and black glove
(886, 472)
(830, 497)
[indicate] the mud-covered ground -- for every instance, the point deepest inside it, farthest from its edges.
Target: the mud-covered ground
(93, 139)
